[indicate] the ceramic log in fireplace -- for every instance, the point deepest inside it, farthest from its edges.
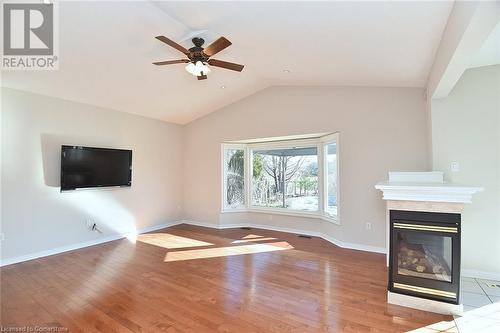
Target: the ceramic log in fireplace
(425, 255)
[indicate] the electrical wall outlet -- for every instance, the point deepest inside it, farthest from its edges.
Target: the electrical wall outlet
(270, 217)
(368, 226)
(455, 166)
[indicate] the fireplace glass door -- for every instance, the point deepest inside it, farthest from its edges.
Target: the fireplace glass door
(424, 255)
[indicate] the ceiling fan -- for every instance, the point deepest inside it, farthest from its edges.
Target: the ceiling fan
(199, 57)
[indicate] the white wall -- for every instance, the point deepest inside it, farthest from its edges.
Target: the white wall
(37, 217)
(466, 128)
(381, 129)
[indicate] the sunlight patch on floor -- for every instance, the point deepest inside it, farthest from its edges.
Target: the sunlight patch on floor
(252, 240)
(226, 251)
(169, 241)
(251, 236)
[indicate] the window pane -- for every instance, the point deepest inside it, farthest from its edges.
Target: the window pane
(331, 179)
(234, 164)
(285, 178)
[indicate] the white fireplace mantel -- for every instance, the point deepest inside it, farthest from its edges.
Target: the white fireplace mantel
(433, 192)
(424, 186)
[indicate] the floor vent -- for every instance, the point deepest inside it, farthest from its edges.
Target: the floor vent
(246, 228)
(304, 236)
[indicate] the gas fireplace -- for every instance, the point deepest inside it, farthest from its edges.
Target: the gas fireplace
(423, 239)
(425, 255)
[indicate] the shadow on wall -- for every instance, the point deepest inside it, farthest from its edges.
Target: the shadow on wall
(51, 153)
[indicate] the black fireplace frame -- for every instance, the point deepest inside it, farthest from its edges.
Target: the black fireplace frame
(426, 219)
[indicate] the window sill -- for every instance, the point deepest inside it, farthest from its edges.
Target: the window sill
(289, 212)
(234, 210)
(274, 211)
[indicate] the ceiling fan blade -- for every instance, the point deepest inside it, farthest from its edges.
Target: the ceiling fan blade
(226, 65)
(170, 62)
(217, 46)
(202, 77)
(173, 44)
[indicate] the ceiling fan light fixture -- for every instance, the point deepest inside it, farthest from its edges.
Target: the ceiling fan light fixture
(197, 69)
(201, 68)
(190, 68)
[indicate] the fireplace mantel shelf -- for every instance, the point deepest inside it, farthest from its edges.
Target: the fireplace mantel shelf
(431, 192)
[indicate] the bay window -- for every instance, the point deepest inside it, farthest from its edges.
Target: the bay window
(296, 177)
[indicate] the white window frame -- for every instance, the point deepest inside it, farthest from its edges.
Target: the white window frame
(248, 148)
(243, 208)
(325, 141)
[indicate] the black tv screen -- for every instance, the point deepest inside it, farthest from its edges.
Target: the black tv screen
(84, 167)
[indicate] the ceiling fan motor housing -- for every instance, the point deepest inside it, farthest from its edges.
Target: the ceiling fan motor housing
(198, 42)
(196, 52)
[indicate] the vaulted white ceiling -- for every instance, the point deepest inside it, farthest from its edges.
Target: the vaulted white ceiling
(106, 50)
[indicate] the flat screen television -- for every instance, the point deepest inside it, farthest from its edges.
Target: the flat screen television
(86, 167)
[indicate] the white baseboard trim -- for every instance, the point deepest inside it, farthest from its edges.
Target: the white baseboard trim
(71, 247)
(328, 238)
(212, 225)
(257, 226)
(158, 226)
(61, 249)
(354, 246)
(289, 230)
(472, 273)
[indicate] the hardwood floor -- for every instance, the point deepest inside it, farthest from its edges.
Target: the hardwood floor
(194, 279)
